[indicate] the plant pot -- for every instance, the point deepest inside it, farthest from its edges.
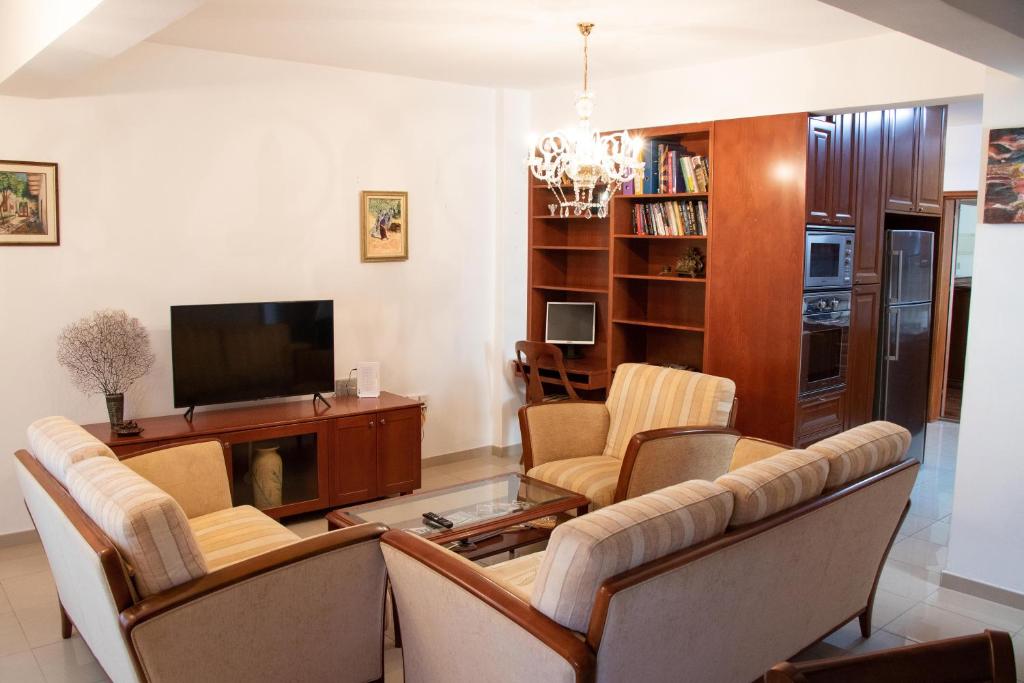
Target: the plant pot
(115, 409)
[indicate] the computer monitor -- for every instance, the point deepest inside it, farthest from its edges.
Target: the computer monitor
(570, 323)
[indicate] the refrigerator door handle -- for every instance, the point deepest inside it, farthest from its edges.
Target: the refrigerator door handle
(896, 266)
(894, 333)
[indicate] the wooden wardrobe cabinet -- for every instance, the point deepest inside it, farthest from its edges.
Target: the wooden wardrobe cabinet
(832, 174)
(862, 354)
(870, 242)
(372, 455)
(914, 159)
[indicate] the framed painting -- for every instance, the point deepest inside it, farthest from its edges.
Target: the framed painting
(1004, 176)
(384, 226)
(28, 204)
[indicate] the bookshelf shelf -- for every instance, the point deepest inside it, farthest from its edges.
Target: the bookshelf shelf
(663, 278)
(567, 288)
(665, 195)
(658, 325)
(633, 236)
(564, 247)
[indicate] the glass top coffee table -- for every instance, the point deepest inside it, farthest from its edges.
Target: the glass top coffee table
(489, 516)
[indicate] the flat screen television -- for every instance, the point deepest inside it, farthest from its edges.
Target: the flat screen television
(222, 353)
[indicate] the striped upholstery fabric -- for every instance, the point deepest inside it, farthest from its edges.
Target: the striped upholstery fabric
(148, 527)
(235, 534)
(646, 397)
(594, 476)
(767, 486)
(517, 575)
(58, 443)
(586, 551)
(862, 450)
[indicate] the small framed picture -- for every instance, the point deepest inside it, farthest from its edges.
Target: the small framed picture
(28, 204)
(384, 226)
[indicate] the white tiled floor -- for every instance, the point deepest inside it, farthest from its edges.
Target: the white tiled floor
(910, 606)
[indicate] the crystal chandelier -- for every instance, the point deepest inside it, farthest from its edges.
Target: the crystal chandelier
(596, 165)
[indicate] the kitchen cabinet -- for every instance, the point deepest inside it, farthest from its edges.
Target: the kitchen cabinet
(869, 242)
(832, 170)
(819, 416)
(865, 308)
(914, 159)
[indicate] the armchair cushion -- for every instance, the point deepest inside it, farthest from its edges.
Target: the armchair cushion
(518, 575)
(646, 397)
(586, 551)
(765, 487)
(58, 443)
(566, 429)
(194, 474)
(236, 534)
(862, 450)
(148, 527)
(594, 476)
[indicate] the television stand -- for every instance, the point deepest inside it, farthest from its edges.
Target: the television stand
(571, 351)
(189, 413)
(319, 396)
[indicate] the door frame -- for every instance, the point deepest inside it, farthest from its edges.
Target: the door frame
(943, 299)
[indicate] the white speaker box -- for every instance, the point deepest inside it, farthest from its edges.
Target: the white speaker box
(368, 379)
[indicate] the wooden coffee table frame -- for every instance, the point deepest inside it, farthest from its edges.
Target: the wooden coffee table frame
(505, 538)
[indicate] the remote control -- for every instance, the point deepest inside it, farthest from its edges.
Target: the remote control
(434, 519)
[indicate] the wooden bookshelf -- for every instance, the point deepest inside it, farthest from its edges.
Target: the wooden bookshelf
(643, 315)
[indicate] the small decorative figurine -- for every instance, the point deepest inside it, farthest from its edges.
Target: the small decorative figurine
(552, 208)
(691, 264)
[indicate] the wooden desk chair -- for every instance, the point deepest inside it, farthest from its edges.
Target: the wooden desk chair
(531, 357)
(983, 658)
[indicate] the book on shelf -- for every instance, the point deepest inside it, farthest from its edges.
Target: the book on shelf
(672, 218)
(669, 168)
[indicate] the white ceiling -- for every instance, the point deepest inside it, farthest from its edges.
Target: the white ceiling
(514, 43)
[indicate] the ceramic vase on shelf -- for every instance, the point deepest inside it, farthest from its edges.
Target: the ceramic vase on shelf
(267, 474)
(115, 409)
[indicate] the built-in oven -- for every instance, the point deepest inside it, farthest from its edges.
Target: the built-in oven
(828, 259)
(825, 341)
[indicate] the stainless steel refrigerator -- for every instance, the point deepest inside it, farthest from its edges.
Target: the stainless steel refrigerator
(905, 348)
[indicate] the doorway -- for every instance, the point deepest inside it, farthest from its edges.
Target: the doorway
(952, 304)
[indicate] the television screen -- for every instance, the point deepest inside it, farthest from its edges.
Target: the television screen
(242, 352)
(569, 323)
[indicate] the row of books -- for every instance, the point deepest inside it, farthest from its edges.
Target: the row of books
(669, 168)
(671, 218)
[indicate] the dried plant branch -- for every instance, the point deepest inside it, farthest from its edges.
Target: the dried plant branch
(105, 352)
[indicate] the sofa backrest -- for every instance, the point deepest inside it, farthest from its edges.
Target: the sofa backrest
(58, 443)
(776, 483)
(863, 449)
(146, 524)
(584, 552)
(646, 397)
(775, 586)
(86, 568)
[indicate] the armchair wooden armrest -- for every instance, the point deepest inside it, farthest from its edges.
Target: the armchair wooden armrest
(194, 473)
(751, 449)
(565, 429)
(446, 605)
(662, 457)
(306, 611)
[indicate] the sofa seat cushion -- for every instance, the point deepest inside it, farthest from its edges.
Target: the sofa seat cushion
(644, 397)
(517, 575)
(236, 534)
(584, 552)
(593, 476)
(58, 443)
(862, 450)
(148, 527)
(768, 486)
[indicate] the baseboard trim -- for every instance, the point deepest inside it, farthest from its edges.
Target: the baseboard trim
(513, 451)
(980, 589)
(18, 538)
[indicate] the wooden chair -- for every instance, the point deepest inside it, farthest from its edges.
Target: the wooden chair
(531, 356)
(983, 658)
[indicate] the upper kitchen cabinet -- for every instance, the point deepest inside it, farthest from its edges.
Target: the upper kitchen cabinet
(832, 170)
(914, 157)
(867, 258)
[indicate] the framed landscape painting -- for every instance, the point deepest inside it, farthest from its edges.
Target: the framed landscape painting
(28, 204)
(384, 226)
(1004, 176)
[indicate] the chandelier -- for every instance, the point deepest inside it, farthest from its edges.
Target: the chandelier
(596, 165)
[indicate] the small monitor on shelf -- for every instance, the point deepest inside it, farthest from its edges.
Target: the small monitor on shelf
(570, 324)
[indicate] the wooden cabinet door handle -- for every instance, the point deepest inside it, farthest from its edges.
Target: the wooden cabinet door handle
(371, 423)
(382, 421)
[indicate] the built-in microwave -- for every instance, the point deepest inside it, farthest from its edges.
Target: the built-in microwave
(828, 259)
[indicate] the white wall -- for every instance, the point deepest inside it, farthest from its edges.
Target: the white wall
(196, 177)
(987, 536)
(963, 146)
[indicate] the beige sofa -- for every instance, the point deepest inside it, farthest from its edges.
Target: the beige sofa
(659, 426)
(700, 581)
(166, 581)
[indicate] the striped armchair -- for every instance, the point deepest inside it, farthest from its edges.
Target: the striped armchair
(660, 426)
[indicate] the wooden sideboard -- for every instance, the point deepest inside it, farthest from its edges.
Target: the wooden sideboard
(355, 450)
